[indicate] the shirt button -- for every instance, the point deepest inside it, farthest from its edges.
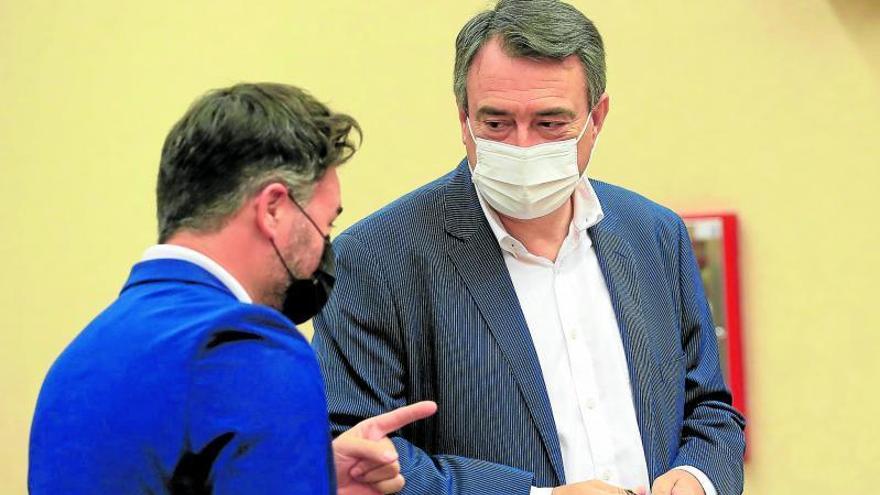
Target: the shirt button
(606, 475)
(572, 334)
(590, 403)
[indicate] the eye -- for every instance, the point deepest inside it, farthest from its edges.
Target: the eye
(493, 124)
(551, 124)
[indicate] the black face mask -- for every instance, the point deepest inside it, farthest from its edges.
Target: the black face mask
(305, 297)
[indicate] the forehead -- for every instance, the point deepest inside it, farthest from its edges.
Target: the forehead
(495, 78)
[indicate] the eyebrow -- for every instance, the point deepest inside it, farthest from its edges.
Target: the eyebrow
(550, 112)
(496, 112)
(556, 112)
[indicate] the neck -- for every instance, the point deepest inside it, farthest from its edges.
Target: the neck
(227, 249)
(542, 236)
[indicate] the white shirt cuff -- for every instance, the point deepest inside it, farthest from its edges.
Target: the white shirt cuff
(707, 485)
(541, 491)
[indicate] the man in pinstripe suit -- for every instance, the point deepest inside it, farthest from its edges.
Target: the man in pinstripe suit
(559, 322)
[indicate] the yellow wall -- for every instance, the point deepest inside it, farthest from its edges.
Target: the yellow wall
(767, 108)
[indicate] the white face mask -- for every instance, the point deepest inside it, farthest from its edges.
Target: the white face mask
(526, 182)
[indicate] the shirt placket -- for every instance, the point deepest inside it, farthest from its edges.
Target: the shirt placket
(578, 326)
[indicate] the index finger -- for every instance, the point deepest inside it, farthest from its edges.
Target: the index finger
(383, 424)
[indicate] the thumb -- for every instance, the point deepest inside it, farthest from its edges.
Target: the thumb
(663, 485)
(364, 450)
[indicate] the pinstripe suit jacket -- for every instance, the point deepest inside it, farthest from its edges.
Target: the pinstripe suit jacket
(424, 309)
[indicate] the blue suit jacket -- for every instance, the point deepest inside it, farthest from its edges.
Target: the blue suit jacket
(179, 388)
(424, 308)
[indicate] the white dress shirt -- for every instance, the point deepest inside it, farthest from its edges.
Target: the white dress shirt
(175, 252)
(568, 310)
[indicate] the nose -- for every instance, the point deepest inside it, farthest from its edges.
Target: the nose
(524, 136)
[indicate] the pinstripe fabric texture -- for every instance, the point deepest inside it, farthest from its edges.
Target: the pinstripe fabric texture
(424, 309)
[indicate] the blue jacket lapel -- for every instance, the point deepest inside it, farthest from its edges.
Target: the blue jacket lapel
(616, 262)
(477, 257)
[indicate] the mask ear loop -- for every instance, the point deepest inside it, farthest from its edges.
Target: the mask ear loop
(473, 137)
(301, 209)
(281, 259)
(278, 252)
(470, 129)
(593, 147)
(586, 126)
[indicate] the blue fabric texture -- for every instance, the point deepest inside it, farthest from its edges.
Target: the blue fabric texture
(424, 309)
(179, 388)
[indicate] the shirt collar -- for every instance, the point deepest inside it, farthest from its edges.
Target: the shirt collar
(587, 212)
(175, 252)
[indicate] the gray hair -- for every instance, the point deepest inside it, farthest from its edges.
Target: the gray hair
(538, 29)
(214, 215)
(234, 141)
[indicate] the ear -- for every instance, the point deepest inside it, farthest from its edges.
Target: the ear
(462, 119)
(467, 139)
(272, 206)
(600, 111)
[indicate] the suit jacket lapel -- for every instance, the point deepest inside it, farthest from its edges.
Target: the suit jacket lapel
(477, 257)
(616, 262)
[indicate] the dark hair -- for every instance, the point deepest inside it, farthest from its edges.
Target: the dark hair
(539, 29)
(233, 141)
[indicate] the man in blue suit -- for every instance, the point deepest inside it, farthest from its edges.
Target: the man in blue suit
(559, 322)
(193, 381)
